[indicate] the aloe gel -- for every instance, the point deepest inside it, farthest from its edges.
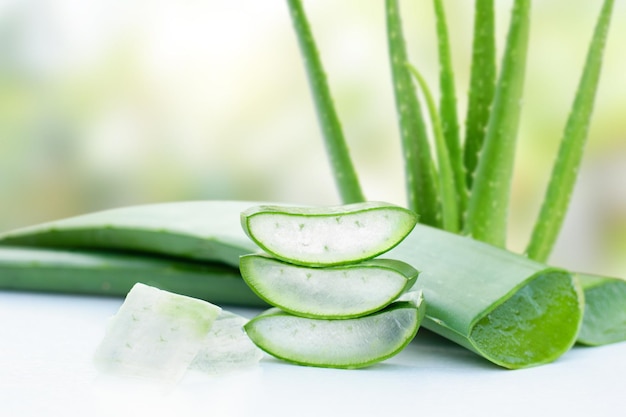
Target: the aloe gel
(155, 334)
(350, 343)
(325, 236)
(332, 292)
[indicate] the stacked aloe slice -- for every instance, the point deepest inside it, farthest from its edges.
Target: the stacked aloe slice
(334, 304)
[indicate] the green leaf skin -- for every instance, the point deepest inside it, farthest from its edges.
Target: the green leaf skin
(351, 343)
(488, 205)
(482, 85)
(450, 200)
(114, 274)
(418, 165)
(192, 230)
(325, 236)
(338, 292)
(513, 311)
(572, 147)
(447, 107)
(604, 320)
(343, 169)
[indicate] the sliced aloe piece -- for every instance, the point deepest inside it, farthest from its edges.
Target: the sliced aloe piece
(206, 230)
(351, 343)
(62, 270)
(227, 347)
(323, 236)
(155, 334)
(335, 292)
(604, 320)
(513, 311)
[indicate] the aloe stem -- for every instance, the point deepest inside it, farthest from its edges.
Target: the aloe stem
(447, 185)
(572, 147)
(489, 198)
(418, 163)
(343, 169)
(482, 85)
(447, 107)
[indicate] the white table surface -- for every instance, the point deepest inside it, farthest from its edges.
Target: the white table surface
(47, 341)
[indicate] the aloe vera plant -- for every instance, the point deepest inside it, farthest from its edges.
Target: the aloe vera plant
(489, 149)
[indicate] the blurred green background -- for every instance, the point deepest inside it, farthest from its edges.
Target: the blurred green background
(121, 102)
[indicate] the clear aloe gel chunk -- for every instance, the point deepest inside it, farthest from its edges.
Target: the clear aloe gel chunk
(155, 334)
(227, 347)
(202, 230)
(334, 292)
(350, 343)
(604, 320)
(513, 311)
(323, 236)
(114, 274)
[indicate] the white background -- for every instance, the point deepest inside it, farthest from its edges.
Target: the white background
(47, 341)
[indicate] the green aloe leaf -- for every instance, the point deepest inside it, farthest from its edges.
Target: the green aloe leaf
(193, 230)
(604, 321)
(114, 274)
(572, 147)
(513, 311)
(489, 199)
(336, 146)
(448, 107)
(482, 85)
(349, 343)
(450, 206)
(333, 292)
(418, 164)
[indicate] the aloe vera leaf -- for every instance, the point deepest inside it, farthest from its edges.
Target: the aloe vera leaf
(226, 347)
(450, 199)
(350, 343)
(336, 146)
(447, 106)
(512, 311)
(604, 320)
(324, 236)
(334, 292)
(565, 170)
(195, 230)
(81, 272)
(418, 165)
(155, 334)
(482, 85)
(488, 204)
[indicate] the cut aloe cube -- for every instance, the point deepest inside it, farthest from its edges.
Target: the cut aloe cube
(227, 347)
(350, 343)
(334, 292)
(604, 320)
(155, 334)
(322, 236)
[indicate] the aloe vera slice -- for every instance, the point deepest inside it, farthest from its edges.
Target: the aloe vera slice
(155, 334)
(604, 320)
(324, 236)
(350, 343)
(335, 292)
(62, 270)
(195, 230)
(511, 310)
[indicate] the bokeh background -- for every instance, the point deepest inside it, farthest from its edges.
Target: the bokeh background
(106, 103)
